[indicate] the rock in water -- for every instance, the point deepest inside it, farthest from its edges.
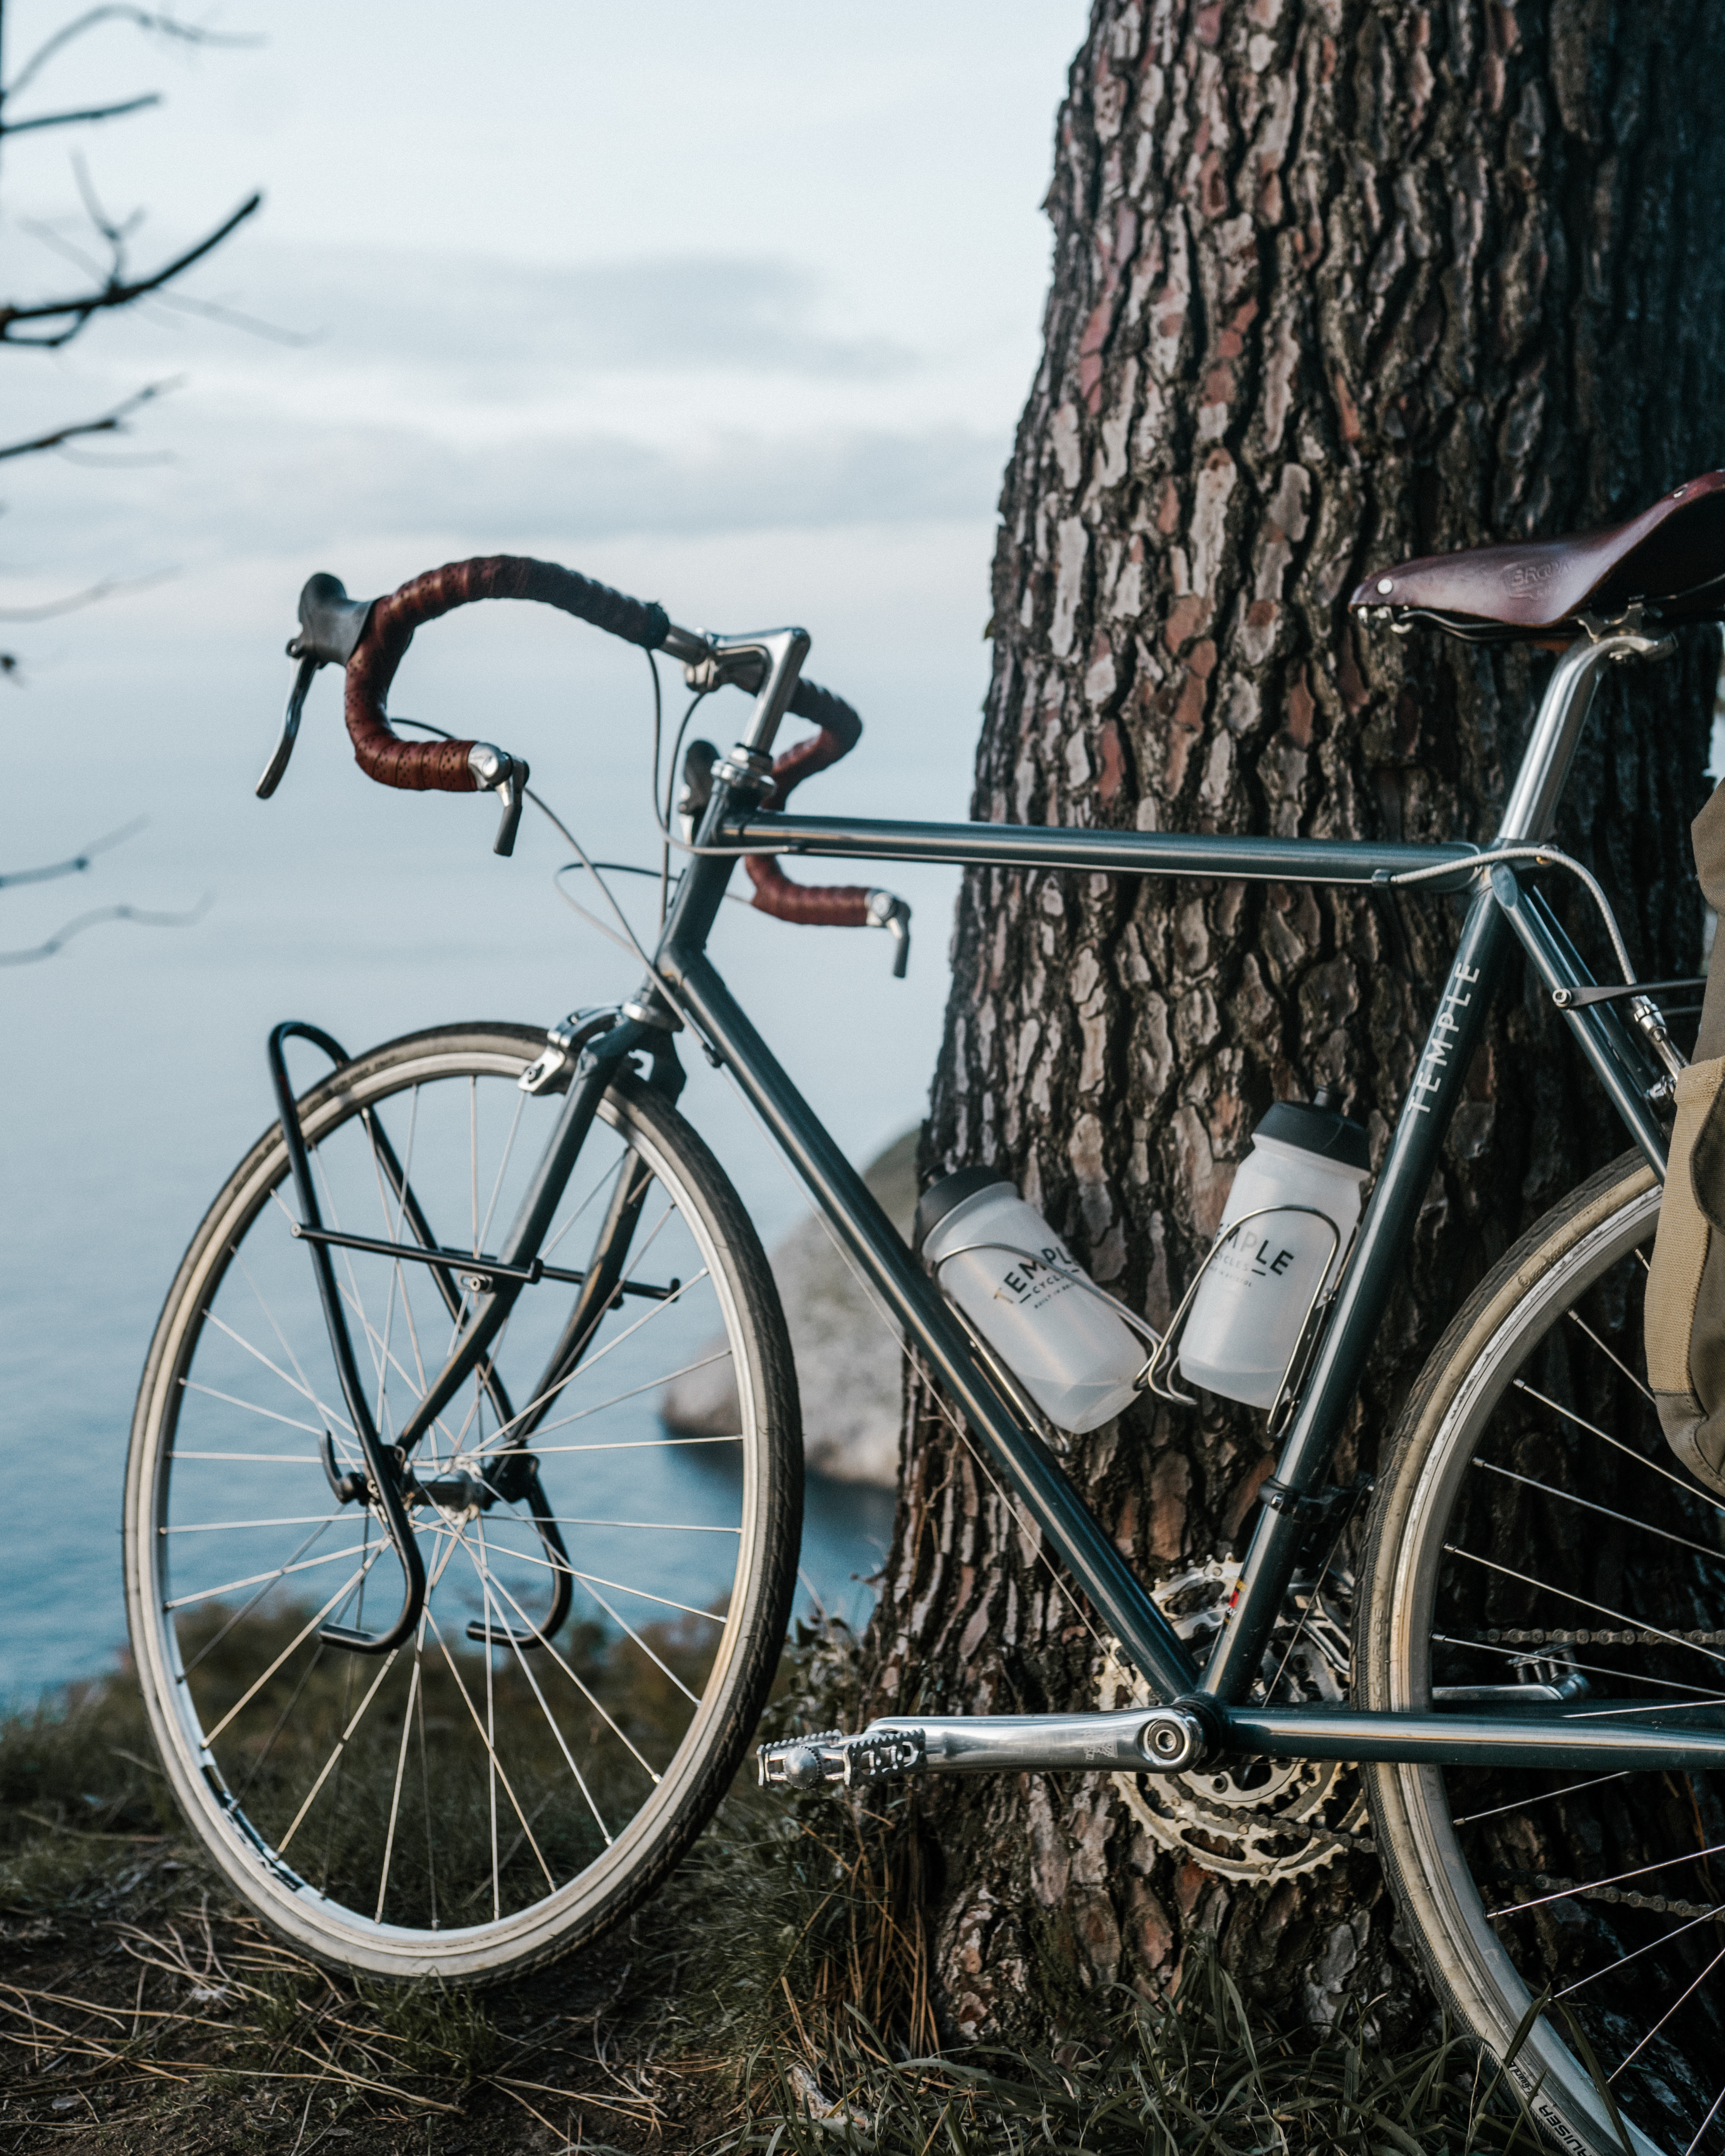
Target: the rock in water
(849, 1357)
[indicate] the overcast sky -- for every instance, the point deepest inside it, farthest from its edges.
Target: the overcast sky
(733, 307)
(599, 272)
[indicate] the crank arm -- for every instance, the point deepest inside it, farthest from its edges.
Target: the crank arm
(1141, 1740)
(1173, 1739)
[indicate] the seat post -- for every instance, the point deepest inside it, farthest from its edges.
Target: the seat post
(1531, 810)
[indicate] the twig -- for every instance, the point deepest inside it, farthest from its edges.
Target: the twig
(117, 291)
(88, 115)
(71, 868)
(109, 423)
(105, 589)
(142, 19)
(146, 919)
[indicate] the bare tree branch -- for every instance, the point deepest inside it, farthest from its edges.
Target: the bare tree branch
(118, 291)
(106, 589)
(143, 18)
(78, 861)
(90, 114)
(141, 915)
(109, 423)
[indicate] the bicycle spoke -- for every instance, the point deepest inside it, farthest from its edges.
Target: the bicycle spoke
(636, 1640)
(635, 1392)
(607, 1177)
(656, 1526)
(490, 1753)
(482, 1233)
(303, 1384)
(1665, 1939)
(340, 1422)
(1611, 1356)
(1615, 1879)
(586, 1694)
(245, 1609)
(1712, 2114)
(257, 1578)
(587, 1363)
(1667, 2014)
(298, 1640)
(251, 1407)
(401, 1768)
(490, 1767)
(1568, 1497)
(1592, 1429)
(247, 1527)
(389, 1661)
(1546, 1796)
(1617, 1616)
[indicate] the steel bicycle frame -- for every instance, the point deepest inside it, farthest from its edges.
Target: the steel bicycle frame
(1501, 910)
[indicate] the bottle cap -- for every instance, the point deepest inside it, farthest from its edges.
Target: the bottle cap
(1318, 1128)
(947, 1195)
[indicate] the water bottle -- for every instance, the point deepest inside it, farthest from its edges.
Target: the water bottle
(1244, 1325)
(1020, 1286)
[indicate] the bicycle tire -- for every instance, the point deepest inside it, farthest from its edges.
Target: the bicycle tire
(1531, 1507)
(600, 1752)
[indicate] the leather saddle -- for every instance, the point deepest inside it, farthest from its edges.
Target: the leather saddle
(1670, 560)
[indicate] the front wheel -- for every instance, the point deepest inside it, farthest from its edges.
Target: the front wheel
(605, 1601)
(1534, 1538)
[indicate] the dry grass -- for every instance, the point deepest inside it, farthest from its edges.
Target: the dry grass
(775, 1997)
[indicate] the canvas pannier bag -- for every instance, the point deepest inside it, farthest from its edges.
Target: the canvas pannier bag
(1685, 1310)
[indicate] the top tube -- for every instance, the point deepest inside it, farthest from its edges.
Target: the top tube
(1115, 853)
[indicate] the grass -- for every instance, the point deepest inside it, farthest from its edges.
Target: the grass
(775, 1997)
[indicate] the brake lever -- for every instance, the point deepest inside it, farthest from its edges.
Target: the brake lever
(894, 916)
(494, 771)
(330, 626)
(275, 770)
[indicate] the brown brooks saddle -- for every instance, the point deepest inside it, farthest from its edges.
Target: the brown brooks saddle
(1665, 567)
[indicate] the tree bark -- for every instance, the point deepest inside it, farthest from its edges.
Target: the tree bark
(1335, 282)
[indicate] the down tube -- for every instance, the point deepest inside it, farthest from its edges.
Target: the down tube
(1155, 1648)
(1371, 1271)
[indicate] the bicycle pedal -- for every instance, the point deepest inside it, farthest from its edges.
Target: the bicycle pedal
(828, 1755)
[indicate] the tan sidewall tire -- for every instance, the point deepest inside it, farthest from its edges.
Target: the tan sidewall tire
(718, 1735)
(1515, 1303)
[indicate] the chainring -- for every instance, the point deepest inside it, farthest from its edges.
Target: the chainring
(1251, 1819)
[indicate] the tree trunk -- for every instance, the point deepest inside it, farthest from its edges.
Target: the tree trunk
(1335, 284)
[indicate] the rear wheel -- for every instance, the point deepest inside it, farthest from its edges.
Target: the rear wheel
(598, 1638)
(1534, 1530)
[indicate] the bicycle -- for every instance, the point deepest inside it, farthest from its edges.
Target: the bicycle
(363, 1385)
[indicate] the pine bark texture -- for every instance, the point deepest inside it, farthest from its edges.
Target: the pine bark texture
(1334, 284)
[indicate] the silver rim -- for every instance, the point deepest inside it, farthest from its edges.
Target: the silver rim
(1538, 1501)
(455, 1807)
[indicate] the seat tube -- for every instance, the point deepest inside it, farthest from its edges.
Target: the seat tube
(1373, 1268)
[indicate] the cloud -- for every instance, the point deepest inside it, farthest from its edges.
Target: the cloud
(488, 322)
(242, 485)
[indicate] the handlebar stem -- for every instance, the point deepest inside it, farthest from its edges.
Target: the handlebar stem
(781, 653)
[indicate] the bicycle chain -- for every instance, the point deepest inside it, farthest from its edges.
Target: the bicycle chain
(1279, 1823)
(1520, 1636)
(1660, 1904)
